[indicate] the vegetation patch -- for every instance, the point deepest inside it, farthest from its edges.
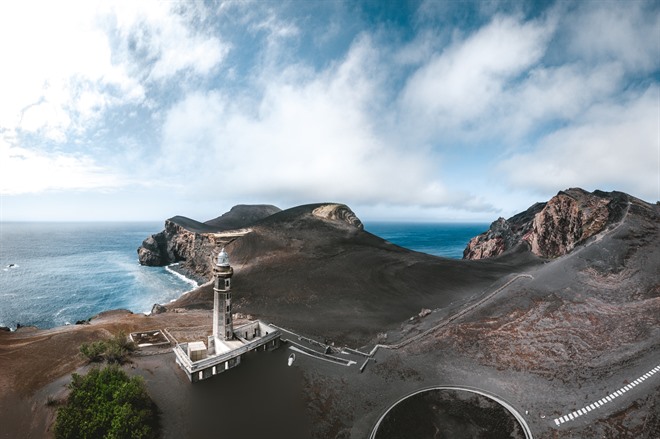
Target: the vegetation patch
(107, 403)
(115, 350)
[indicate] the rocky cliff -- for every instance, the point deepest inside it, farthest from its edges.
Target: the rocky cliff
(554, 228)
(185, 239)
(194, 244)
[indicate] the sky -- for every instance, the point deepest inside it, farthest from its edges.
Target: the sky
(404, 110)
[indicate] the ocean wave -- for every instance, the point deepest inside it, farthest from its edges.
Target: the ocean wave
(62, 274)
(181, 276)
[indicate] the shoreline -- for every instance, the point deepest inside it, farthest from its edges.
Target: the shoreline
(172, 269)
(56, 274)
(176, 270)
(180, 275)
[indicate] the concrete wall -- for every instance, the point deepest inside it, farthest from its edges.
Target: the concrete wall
(249, 331)
(213, 365)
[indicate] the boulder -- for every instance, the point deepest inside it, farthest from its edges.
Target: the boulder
(158, 309)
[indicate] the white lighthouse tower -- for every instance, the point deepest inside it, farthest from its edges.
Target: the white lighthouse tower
(227, 345)
(222, 321)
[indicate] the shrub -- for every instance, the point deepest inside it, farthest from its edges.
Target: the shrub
(114, 350)
(107, 403)
(93, 351)
(122, 341)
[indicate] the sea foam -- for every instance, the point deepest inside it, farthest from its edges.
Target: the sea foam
(181, 276)
(65, 272)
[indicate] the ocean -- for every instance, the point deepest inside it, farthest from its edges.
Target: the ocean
(54, 274)
(65, 272)
(440, 239)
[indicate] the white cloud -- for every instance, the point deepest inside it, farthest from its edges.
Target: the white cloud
(307, 137)
(461, 85)
(156, 33)
(276, 28)
(625, 32)
(550, 95)
(613, 146)
(419, 117)
(23, 171)
(64, 66)
(343, 133)
(49, 56)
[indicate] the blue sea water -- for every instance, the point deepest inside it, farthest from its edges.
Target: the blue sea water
(65, 272)
(440, 239)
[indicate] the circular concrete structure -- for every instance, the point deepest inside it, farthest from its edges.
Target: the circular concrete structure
(451, 411)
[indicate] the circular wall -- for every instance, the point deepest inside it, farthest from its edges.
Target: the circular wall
(449, 412)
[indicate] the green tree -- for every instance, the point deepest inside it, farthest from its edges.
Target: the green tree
(107, 403)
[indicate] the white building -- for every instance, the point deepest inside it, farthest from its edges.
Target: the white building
(227, 345)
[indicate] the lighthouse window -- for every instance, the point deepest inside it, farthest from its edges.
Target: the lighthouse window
(227, 308)
(226, 283)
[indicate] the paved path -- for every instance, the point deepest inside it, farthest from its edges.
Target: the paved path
(601, 402)
(505, 404)
(351, 356)
(318, 350)
(451, 319)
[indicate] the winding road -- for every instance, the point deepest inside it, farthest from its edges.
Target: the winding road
(609, 398)
(456, 316)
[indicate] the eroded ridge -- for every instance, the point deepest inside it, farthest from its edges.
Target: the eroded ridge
(584, 410)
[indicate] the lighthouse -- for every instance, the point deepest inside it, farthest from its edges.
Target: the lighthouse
(225, 348)
(222, 321)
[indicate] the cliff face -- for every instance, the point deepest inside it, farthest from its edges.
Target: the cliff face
(551, 229)
(184, 239)
(176, 244)
(193, 243)
(502, 235)
(157, 249)
(340, 213)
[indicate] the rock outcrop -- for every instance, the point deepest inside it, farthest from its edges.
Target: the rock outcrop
(194, 244)
(551, 229)
(502, 235)
(168, 246)
(158, 309)
(183, 238)
(339, 212)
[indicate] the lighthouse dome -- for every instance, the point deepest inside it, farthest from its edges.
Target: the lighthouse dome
(223, 258)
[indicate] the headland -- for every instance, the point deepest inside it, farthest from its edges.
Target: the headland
(552, 311)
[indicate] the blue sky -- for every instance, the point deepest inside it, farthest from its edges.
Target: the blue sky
(404, 110)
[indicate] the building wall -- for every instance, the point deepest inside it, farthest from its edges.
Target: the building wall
(224, 362)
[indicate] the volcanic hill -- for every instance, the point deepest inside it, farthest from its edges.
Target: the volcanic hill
(314, 266)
